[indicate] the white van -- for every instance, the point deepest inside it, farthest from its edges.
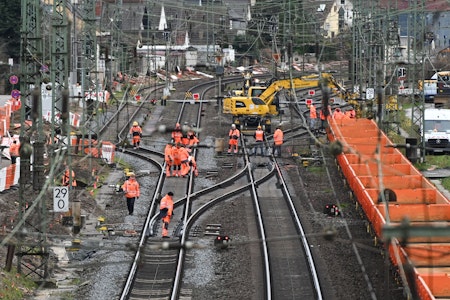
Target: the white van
(437, 130)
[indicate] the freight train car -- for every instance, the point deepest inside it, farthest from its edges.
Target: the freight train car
(406, 211)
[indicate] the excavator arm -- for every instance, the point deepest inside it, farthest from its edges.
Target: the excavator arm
(309, 81)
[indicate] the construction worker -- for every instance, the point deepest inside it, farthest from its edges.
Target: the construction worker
(136, 134)
(259, 140)
(278, 136)
(14, 151)
(132, 192)
(166, 212)
(67, 177)
(177, 156)
(312, 117)
(325, 115)
(168, 158)
(177, 134)
(193, 139)
(184, 157)
(233, 141)
(193, 164)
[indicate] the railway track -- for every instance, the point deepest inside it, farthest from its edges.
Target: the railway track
(159, 268)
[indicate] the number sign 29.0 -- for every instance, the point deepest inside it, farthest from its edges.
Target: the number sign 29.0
(60, 199)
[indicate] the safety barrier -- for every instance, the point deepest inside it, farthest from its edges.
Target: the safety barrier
(9, 176)
(373, 166)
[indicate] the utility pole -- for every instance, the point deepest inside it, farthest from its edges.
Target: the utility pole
(90, 86)
(30, 232)
(167, 37)
(417, 61)
(273, 29)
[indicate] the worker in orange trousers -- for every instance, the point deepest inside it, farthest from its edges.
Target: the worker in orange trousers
(166, 212)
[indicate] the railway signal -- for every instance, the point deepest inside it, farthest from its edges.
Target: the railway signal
(331, 209)
(222, 241)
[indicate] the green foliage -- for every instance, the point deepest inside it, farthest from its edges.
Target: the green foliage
(15, 286)
(446, 183)
(10, 23)
(434, 161)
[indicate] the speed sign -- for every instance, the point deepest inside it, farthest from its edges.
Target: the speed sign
(60, 199)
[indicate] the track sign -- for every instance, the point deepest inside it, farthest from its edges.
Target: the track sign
(13, 79)
(60, 199)
(370, 93)
(311, 92)
(196, 96)
(309, 101)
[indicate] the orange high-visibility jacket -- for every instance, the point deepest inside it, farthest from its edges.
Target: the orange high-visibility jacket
(234, 134)
(312, 112)
(131, 188)
(66, 178)
(168, 152)
(14, 149)
(135, 130)
(184, 154)
(259, 135)
(177, 135)
(278, 137)
(167, 202)
(176, 155)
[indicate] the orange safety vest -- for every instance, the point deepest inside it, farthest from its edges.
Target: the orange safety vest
(184, 154)
(259, 135)
(193, 140)
(234, 134)
(167, 202)
(278, 137)
(135, 130)
(66, 178)
(185, 140)
(176, 155)
(312, 112)
(131, 188)
(168, 153)
(14, 149)
(176, 136)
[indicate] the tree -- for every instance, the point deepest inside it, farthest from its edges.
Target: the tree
(10, 29)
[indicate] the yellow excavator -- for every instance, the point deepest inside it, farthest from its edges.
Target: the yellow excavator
(256, 104)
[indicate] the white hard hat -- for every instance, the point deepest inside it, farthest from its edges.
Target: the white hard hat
(233, 125)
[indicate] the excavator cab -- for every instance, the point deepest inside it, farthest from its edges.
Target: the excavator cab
(245, 106)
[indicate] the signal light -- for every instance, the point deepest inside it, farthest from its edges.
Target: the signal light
(222, 241)
(331, 210)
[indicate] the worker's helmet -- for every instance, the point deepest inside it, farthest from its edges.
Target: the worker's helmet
(233, 126)
(259, 126)
(135, 123)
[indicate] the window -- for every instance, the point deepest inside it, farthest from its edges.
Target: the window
(240, 104)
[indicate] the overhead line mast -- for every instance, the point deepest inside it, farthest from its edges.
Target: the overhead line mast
(32, 207)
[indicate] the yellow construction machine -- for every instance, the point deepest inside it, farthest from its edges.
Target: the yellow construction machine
(256, 104)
